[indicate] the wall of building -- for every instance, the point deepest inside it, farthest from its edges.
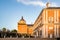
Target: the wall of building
(51, 23)
(22, 29)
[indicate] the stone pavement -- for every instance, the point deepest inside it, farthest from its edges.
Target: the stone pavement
(27, 39)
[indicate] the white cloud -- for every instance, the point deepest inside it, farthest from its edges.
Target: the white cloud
(53, 5)
(36, 3)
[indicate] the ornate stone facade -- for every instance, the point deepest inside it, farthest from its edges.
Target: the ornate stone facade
(48, 22)
(24, 28)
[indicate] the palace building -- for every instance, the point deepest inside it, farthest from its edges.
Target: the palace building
(47, 25)
(24, 28)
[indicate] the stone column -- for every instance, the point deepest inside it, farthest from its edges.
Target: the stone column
(37, 33)
(46, 24)
(17, 36)
(57, 31)
(46, 31)
(58, 23)
(43, 31)
(51, 35)
(55, 18)
(23, 36)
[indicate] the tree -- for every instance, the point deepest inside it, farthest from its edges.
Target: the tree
(3, 32)
(3, 29)
(14, 31)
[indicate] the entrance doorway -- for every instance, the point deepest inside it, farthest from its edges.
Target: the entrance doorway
(50, 35)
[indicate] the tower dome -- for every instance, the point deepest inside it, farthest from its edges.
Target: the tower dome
(22, 21)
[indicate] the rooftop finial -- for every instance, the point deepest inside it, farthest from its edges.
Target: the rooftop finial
(22, 17)
(48, 4)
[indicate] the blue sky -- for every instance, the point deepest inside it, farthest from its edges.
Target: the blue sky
(12, 10)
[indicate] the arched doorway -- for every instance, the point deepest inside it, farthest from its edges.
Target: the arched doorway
(50, 33)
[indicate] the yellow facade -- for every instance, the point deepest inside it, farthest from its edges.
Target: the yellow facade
(48, 22)
(46, 25)
(30, 31)
(24, 28)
